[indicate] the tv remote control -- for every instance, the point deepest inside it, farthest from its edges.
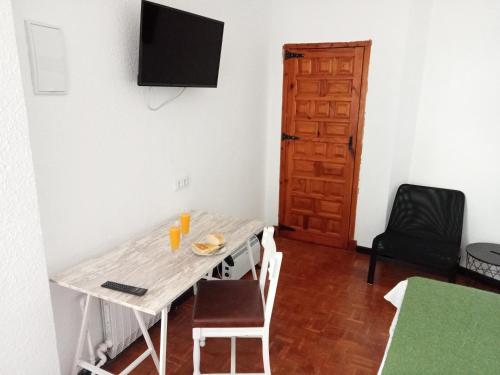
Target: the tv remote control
(124, 288)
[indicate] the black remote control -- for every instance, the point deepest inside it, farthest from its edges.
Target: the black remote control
(124, 288)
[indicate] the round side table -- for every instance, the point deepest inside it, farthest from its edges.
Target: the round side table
(484, 258)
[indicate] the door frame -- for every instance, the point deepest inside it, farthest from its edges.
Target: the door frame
(358, 146)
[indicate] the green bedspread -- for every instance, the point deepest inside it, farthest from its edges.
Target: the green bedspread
(445, 329)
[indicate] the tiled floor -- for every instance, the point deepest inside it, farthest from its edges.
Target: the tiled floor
(327, 319)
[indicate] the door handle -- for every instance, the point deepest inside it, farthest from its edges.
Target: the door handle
(351, 148)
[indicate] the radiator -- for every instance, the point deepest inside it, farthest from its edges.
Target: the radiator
(121, 327)
(242, 261)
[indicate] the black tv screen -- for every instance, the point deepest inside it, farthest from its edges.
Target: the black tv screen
(178, 48)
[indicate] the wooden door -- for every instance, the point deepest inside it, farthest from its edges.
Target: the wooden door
(324, 92)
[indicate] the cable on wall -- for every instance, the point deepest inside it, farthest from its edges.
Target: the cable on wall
(167, 101)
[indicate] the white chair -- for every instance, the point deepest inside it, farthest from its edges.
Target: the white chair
(238, 308)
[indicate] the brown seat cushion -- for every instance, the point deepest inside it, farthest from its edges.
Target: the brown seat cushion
(228, 303)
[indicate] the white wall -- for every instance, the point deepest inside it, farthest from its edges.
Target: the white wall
(395, 27)
(28, 344)
(409, 94)
(458, 132)
(105, 164)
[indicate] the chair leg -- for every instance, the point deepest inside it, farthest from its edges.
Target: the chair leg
(233, 355)
(265, 355)
(452, 276)
(373, 263)
(196, 351)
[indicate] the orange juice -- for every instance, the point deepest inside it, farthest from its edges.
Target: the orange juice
(185, 219)
(175, 237)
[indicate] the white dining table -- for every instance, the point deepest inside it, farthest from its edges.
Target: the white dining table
(148, 262)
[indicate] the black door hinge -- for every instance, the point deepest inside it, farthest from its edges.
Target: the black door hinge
(292, 55)
(288, 137)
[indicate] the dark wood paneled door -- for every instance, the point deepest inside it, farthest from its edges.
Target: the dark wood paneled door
(324, 92)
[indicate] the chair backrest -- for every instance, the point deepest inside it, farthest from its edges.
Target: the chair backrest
(428, 213)
(270, 266)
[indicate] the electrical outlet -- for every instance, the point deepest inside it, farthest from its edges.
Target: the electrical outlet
(181, 183)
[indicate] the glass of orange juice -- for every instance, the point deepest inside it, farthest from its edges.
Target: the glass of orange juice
(175, 236)
(185, 221)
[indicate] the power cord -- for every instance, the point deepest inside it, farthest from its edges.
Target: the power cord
(150, 107)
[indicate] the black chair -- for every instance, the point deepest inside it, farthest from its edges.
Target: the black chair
(425, 228)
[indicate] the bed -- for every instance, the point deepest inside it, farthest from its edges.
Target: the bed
(442, 328)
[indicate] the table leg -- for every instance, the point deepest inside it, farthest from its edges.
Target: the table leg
(163, 341)
(82, 336)
(252, 262)
(147, 338)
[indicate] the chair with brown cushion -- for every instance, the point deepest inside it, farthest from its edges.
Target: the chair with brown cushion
(238, 308)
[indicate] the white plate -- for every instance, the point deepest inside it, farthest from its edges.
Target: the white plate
(222, 250)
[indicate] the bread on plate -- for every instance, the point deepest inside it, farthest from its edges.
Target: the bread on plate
(215, 239)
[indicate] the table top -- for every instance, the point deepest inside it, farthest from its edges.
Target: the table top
(485, 252)
(148, 262)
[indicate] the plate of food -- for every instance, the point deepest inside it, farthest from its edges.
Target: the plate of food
(212, 244)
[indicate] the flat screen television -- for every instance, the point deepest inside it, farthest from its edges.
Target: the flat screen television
(178, 48)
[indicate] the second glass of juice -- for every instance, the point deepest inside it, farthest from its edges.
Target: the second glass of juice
(185, 222)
